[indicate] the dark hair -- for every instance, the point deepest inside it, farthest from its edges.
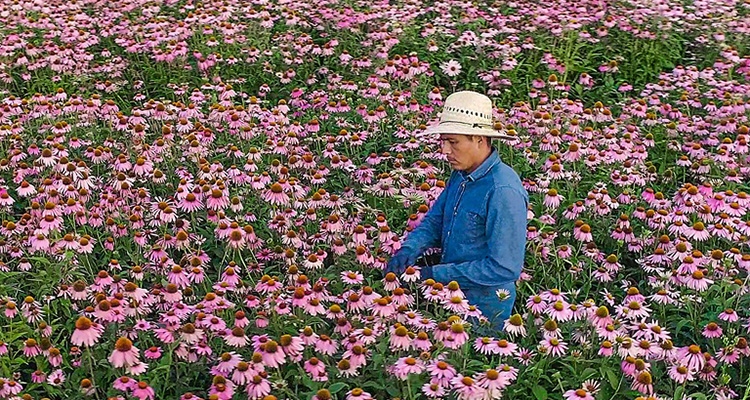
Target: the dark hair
(487, 140)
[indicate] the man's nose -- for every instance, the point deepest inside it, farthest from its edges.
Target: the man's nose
(445, 148)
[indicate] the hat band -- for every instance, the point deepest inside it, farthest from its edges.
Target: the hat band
(472, 124)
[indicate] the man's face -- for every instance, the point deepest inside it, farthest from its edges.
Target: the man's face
(463, 151)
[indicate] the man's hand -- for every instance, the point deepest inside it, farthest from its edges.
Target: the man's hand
(398, 263)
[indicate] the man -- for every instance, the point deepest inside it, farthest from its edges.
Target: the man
(479, 220)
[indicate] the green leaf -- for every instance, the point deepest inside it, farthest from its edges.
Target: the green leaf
(372, 384)
(393, 390)
(539, 392)
(614, 381)
(679, 392)
(475, 363)
(336, 387)
(308, 382)
(699, 396)
(588, 373)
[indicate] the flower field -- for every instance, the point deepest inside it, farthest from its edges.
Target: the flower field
(198, 198)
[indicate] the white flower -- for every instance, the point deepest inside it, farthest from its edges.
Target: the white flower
(451, 68)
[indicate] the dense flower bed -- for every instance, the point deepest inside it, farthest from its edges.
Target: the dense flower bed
(198, 199)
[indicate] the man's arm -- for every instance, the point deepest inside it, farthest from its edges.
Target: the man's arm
(429, 231)
(506, 242)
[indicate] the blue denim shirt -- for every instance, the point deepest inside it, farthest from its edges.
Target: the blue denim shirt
(479, 221)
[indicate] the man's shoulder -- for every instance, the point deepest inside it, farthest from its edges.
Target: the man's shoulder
(506, 178)
(504, 175)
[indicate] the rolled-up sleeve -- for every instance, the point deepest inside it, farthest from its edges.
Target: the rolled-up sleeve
(506, 242)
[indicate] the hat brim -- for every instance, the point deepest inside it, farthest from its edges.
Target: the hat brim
(460, 129)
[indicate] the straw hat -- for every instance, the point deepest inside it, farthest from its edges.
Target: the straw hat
(467, 113)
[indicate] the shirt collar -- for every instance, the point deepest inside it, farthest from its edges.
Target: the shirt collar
(484, 167)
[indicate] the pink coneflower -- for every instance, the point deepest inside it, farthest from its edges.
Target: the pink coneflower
(698, 232)
(221, 388)
(691, 356)
(217, 199)
(315, 367)
(125, 354)
(559, 311)
(400, 339)
(633, 310)
(53, 356)
(422, 341)
(485, 345)
(493, 382)
(537, 304)
(25, 189)
(190, 334)
(729, 315)
(10, 310)
(681, 373)
(407, 365)
(190, 203)
(152, 353)
(712, 330)
(292, 346)
(358, 394)
(433, 390)
(243, 373)
(451, 68)
(564, 251)
(227, 362)
(583, 233)
(275, 195)
(143, 391)
(601, 317)
(578, 394)
(457, 336)
(628, 366)
(137, 369)
(11, 389)
(38, 377)
(456, 304)
(258, 387)
(215, 324)
(236, 337)
(729, 355)
(352, 277)
(124, 384)
(505, 348)
(86, 332)
(441, 372)
(273, 356)
(697, 281)
(606, 349)
(643, 383)
(466, 388)
(525, 356)
(514, 326)
(56, 378)
(552, 199)
(554, 346)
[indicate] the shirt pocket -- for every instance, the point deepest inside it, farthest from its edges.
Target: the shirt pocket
(474, 223)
